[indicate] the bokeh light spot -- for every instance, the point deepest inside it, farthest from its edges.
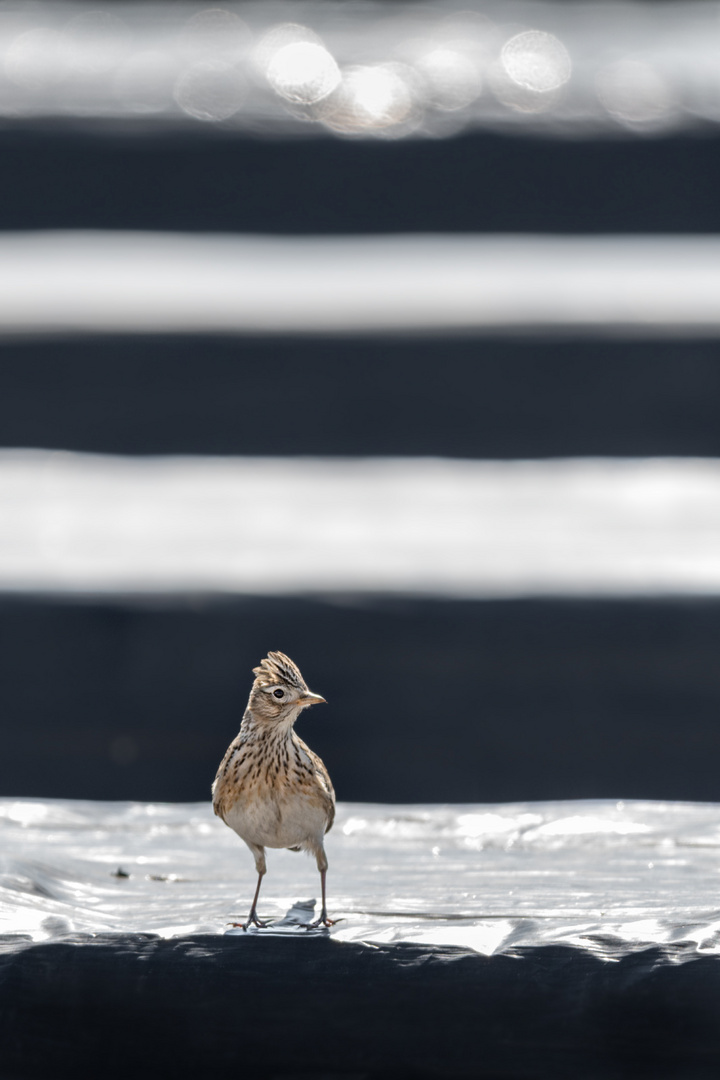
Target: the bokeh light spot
(303, 72)
(636, 95)
(278, 38)
(371, 99)
(536, 61)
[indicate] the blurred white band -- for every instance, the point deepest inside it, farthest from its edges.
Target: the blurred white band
(169, 283)
(75, 523)
(373, 70)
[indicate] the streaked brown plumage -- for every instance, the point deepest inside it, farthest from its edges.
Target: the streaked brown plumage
(270, 787)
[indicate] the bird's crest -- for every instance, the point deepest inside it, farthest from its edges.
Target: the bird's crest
(277, 667)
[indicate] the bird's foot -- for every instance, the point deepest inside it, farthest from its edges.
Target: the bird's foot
(322, 921)
(252, 920)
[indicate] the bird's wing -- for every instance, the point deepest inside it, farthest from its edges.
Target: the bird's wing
(324, 786)
(220, 790)
(331, 818)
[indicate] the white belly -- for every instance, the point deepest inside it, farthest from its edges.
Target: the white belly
(291, 821)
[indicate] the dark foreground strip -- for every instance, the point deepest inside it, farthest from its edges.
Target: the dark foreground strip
(141, 1006)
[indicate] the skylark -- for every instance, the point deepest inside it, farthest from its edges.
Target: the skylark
(270, 787)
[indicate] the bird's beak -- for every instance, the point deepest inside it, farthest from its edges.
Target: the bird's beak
(311, 699)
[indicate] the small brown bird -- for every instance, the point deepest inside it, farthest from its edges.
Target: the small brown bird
(270, 787)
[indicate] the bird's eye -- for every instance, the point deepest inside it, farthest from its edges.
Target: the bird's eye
(278, 693)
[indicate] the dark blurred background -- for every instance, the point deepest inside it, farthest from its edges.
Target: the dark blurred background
(429, 699)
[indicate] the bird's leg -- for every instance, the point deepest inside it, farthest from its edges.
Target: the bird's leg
(252, 917)
(323, 920)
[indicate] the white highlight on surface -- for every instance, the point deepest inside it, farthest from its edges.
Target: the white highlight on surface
(73, 522)
(589, 824)
(157, 282)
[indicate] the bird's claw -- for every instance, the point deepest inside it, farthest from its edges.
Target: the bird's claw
(252, 921)
(322, 921)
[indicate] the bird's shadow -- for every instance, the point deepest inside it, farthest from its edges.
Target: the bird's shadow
(296, 922)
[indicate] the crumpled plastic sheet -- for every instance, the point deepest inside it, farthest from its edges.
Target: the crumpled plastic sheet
(600, 875)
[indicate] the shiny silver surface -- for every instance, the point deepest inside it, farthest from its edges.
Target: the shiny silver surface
(599, 875)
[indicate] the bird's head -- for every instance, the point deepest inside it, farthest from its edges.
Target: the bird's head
(279, 691)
